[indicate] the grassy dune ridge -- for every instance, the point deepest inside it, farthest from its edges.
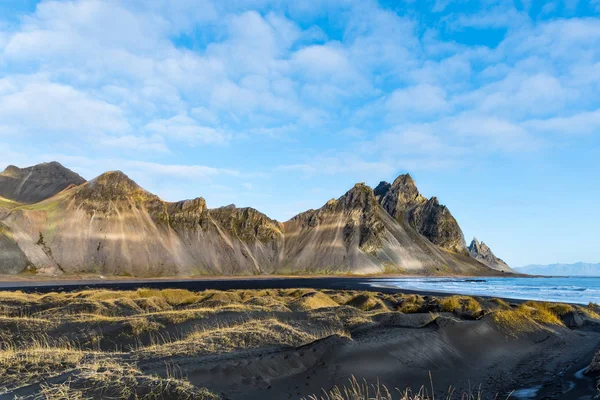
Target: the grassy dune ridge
(126, 344)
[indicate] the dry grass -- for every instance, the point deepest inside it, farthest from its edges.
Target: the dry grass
(98, 338)
(411, 304)
(312, 301)
(465, 304)
(356, 390)
(241, 336)
(367, 302)
(501, 303)
(529, 317)
(42, 358)
(592, 310)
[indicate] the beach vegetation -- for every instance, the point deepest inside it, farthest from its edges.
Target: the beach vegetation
(363, 390)
(466, 304)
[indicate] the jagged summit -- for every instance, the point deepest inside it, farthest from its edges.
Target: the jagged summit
(403, 201)
(382, 189)
(36, 183)
(359, 197)
(482, 253)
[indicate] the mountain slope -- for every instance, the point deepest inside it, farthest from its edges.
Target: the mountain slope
(482, 253)
(39, 182)
(112, 226)
(402, 201)
(355, 234)
(577, 269)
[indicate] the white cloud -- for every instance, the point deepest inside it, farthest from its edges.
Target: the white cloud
(179, 171)
(142, 143)
(421, 99)
(41, 106)
(577, 124)
(183, 128)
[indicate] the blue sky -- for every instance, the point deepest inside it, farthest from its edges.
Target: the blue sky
(492, 106)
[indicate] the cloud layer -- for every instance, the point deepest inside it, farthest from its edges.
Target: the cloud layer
(225, 92)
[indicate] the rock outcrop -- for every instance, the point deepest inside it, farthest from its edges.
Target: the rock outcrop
(34, 184)
(12, 258)
(403, 201)
(482, 253)
(112, 226)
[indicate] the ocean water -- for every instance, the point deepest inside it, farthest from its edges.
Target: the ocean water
(580, 290)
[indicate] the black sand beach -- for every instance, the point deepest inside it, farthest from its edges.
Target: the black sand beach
(399, 349)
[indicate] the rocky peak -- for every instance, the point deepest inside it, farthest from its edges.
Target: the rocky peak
(482, 253)
(36, 183)
(11, 170)
(403, 202)
(115, 189)
(113, 185)
(360, 197)
(382, 189)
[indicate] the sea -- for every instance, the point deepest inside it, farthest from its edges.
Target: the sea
(577, 290)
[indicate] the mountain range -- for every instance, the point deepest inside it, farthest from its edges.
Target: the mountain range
(577, 269)
(52, 221)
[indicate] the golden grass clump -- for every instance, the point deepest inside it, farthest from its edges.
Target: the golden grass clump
(312, 301)
(543, 313)
(367, 302)
(591, 310)
(143, 325)
(528, 317)
(411, 304)
(501, 303)
(175, 297)
(460, 304)
(560, 309)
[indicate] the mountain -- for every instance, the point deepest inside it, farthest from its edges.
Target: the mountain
(33, 184)
(577, 269)
(355, 233)
(403, 202)
(112, 226)
(481, 252)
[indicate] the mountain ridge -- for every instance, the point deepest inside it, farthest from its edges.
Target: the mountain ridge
(560, 269)
(112, 226)
(33, 184)
(482, 253)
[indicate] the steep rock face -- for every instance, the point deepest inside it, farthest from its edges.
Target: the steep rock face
(12, 258)
(403, 201)
(481, 252)
(339, 237)
(36, 183)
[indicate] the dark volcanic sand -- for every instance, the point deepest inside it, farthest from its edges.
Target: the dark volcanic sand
(396, 350)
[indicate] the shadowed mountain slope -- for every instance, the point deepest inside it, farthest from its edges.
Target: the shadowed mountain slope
(36, 183)
(112, 226)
